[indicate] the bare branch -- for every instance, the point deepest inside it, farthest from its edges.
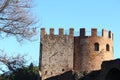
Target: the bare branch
(16, 19)
(5, 4)
(12, 62)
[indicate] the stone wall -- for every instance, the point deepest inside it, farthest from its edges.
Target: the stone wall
(56, 53)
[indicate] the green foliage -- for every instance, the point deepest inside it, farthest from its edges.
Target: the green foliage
(25, 73)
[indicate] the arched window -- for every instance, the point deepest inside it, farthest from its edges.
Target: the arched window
(107, 47)
(96, 47)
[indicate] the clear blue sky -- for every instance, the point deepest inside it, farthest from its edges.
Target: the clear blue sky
(69, 13)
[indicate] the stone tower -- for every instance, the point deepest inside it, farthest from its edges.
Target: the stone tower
(56, 53)
(60, 53)
(91, 51)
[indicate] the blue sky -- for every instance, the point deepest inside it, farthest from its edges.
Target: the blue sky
(65, 14)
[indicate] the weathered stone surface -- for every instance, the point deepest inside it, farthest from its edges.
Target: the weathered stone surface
(61, 53)
(86, 58)
(57, 55)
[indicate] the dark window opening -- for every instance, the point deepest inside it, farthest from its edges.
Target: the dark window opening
(63, 69)
(107, 47)
(96, 47)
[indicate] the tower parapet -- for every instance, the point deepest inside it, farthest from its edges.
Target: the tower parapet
(61, 32)
(94, 33)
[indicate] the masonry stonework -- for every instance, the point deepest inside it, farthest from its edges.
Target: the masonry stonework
(61, 53)
(57, 53)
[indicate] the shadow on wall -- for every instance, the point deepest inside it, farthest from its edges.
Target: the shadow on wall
(110, 70)
(70, 76)
(91, 76)
(65, 76)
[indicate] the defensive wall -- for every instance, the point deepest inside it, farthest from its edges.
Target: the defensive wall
(64, 52)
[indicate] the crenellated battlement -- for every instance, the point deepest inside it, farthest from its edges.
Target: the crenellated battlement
(94, 33)
(61, 32)
(82, 32)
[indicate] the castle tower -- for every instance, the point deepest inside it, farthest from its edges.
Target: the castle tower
(90, 51)
(60, 53)
(56, 52)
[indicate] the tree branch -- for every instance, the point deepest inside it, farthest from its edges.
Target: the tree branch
(5, 4)
(16, 19)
